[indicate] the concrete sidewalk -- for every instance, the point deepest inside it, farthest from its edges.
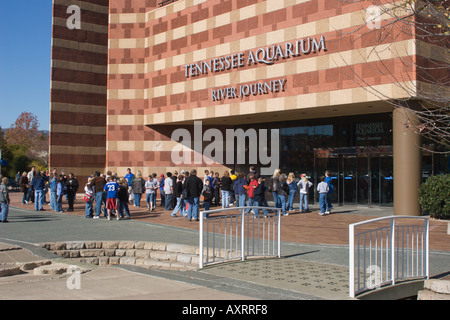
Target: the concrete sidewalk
(313, 266)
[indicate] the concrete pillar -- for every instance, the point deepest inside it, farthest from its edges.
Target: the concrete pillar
(407, 163)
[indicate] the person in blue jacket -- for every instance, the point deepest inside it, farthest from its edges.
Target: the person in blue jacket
(38, 184)
(53, 185)
(239, 189)
(328, 180)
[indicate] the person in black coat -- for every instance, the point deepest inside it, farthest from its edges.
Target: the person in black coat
(72, 187)
(260, 197)
(122, 197)
(193, 186)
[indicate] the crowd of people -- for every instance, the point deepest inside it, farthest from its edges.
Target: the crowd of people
(180, 193)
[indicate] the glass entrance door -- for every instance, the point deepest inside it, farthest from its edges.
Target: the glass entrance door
(358, 176)
(348, 179)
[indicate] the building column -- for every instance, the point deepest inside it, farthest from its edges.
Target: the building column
(407, 163)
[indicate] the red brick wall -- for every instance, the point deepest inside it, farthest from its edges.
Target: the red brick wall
(79, 88)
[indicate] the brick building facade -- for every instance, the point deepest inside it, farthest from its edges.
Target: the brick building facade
(136, 71)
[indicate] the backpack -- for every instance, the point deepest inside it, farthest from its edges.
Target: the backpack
(284, 186)
(63, 189)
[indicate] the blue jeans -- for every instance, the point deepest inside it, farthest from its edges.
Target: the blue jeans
(123, 206)
(163, 197)
(193, 207)
(38, 199)
(323, 202)
(225, 199)
(282, 200)
(291, 199)
(137, 199)
(151, 199)
(4, 209)
(59, 203)
(98, 203)
(89, 211)
(276, 200)
(168, 201)
(179, 207)
(257, 204)
(241, 200)
(329, 199)
(29, 194)
(249, 204)
(304, 200)
(53, 200)
(25, 196)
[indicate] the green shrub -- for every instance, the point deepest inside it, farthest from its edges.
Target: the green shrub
(434, 196)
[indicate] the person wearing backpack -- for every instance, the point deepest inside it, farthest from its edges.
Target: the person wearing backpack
(283, 191)
(259, 199)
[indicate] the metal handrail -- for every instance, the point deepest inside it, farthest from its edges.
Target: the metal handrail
(242, 228)
(387, 249)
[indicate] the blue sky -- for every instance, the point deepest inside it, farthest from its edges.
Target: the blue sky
(25, 48)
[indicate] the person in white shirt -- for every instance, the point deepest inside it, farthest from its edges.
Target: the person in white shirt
(151, 185)
(168, 191)
(303, 185)
(323, 189)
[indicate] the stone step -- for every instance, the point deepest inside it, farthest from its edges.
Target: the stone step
(8, 247)
(128, 253)
(146, 263)
(161, 246)
(142, 253)
(435, 289)
(9, 270)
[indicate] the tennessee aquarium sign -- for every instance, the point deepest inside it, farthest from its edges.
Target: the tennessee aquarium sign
(265, 55)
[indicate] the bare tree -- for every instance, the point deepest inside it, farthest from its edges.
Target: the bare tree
(424, 86)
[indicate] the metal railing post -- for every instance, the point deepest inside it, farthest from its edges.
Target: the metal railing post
(404, 253)
(351, 253)
(279, 234)
(392, 251)
(245, 233)
(201, 242)
(242, 234)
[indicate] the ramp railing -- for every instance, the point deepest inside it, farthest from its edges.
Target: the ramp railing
(235, 233)
(387, 250)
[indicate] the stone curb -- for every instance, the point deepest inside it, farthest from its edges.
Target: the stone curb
(438, 286)
(139, 253)
(56, 268)
(9, 270)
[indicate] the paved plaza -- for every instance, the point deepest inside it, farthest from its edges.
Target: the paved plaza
(313, 266)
